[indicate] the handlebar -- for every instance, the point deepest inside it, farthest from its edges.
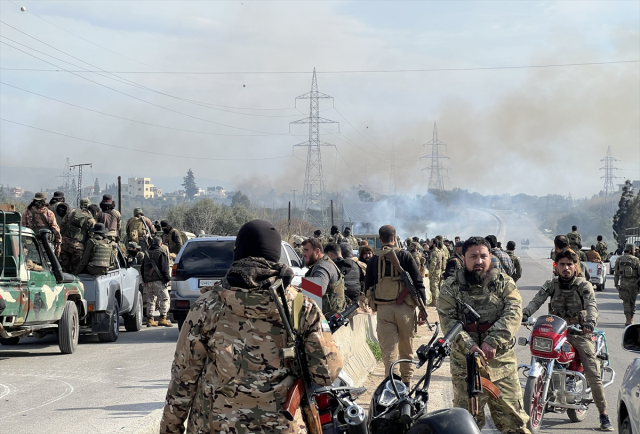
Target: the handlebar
(455, 330)
(531, 321)
(340, 319)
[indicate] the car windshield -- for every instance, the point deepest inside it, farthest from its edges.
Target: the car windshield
(206, 258)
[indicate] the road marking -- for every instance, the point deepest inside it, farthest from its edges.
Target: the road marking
(68, 391)
(5, 391)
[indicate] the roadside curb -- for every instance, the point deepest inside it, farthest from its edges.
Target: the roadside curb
(150, 424)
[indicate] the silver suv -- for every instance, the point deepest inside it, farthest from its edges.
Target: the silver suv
(204, 262)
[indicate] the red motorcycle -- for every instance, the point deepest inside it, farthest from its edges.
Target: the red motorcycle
(555, 379)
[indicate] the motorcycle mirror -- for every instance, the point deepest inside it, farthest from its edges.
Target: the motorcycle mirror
(523, 342)
(631, 338)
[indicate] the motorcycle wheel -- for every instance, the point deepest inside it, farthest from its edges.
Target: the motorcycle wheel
(533, 404)
(576, 415)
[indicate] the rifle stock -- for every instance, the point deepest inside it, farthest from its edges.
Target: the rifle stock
(406, 279)
(312, 418)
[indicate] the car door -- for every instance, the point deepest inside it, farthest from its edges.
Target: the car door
(129, 279)
(46, 297)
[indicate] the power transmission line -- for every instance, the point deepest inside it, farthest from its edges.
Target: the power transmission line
(436, 169)
(608, 207)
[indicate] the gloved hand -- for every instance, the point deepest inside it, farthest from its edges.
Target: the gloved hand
(525, 317)
(587, 328)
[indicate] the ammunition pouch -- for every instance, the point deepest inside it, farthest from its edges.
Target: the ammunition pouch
(630, 271)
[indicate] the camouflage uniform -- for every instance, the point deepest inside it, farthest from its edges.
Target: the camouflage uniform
(435, 273)
(155, 287)
(499, 304)
(227, 376)
(517, 267)
(42, 218)
(575, 302)
(574, 239)
(75, 233)
(627, 271)
(353, 241)
(417, 256)
(601, 248)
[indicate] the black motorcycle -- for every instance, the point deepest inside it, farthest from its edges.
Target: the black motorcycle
(396, 409)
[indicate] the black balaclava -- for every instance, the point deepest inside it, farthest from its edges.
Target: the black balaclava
(258, 239)
(334, 230)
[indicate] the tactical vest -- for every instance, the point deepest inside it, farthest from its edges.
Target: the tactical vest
(103, 253)
(76, 227)
(333, 299)
(136, 229)
(568, 303)
(351, 273)
(150, 274)
(39, 222)
(388, 288)
(574, 240)
(58, 207)
(173, 246)
(628, 267)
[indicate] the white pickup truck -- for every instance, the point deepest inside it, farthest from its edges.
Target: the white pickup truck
(115, 294)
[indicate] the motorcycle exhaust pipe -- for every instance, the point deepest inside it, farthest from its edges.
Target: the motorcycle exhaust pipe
(354, 415)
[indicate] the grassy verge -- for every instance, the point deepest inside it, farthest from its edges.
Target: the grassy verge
(375, 349)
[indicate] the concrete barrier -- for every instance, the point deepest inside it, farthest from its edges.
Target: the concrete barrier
(352, 342)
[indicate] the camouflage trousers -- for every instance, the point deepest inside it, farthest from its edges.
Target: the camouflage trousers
(507, 412)
(155, 293)
(71, 253)
(434, 285)
(586, 352)
(628, 295)
(396, 328)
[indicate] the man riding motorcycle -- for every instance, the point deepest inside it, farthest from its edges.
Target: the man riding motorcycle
(572, 299)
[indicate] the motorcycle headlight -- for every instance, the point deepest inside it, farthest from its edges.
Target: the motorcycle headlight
(542, 344)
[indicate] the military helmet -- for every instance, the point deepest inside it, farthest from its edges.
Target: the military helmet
(58, 195)
(84, 203)
(137, 211)
(629, 247)
(40, 196)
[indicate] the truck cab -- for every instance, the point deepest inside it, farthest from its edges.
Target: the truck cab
(40, 299)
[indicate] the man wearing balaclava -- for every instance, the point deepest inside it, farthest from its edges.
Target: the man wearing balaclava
(171, 237)
(227, 375)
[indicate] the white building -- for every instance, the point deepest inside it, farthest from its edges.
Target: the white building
(140, 187)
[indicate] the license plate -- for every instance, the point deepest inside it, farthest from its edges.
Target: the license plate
(207, 282)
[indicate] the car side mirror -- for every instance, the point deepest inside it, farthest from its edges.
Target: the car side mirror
(631, 338)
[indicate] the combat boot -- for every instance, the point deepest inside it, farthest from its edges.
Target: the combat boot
(151, 322)
(629, 319)
(164, 322)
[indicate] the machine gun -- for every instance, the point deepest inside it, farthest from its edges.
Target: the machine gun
(408, 282)
(300, 393)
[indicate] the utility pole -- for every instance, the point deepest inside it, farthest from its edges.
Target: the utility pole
(608, 207)
(436, 169)
(294, 198)
(313, 192)
(66, 176)
(79, 166)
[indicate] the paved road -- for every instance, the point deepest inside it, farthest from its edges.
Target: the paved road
(101, 388)
(536, 270)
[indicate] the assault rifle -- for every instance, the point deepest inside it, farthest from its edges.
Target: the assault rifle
(300, 393)
(476, 384)
(408, 282)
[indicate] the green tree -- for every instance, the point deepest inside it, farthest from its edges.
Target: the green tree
(3, 193)
(96, 187)
(240, 199)
(621, 216)
(189, 184)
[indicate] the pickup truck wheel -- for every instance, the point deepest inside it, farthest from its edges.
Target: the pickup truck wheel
(133, 323)
(68, 329)
(114, 326)
(10, 341)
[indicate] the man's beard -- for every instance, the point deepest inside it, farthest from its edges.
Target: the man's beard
(475, 277)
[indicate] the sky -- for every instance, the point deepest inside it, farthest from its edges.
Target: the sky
(154, 88)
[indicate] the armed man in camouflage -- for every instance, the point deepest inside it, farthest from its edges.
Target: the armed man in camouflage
(335, 235)
(59, 206)
(517, 266)
(331, 278)
(156, 278)
(601, 248)
(627, 271)
(172, 238)
(396, 308)
(227, 375)
(501, 260)
(37, 216)
(496, 298)
(134, 255)
(573, 300)
(435, 270)
(414, 249)
(111, 217)
(140, 229)
(349, 238)
(455, 262)
(75, 233)
(575, 239)
(99, 252)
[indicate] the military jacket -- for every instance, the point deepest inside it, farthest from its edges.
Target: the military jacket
(575, 304)
(338, 238)
(227, 375)
(36, 219)
(574, 239)
(333, 299)
(601, 248)
(353, 241)
(174, 240)
(435, 264)
(627, 270)
(499, 304)
(517, 267)
(76, 225)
